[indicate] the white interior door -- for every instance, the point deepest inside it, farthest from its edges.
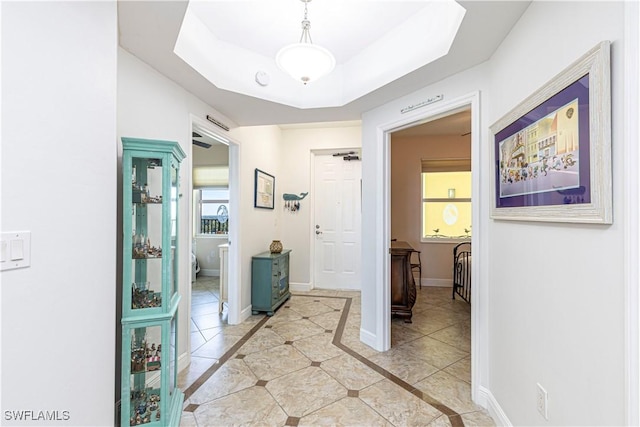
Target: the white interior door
(337, 216)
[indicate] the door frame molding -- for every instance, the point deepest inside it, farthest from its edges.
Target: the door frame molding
(631, 213)
(234, 273)
(312, 207)
(478, 243)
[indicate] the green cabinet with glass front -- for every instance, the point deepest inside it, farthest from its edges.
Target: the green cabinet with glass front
(150, 297)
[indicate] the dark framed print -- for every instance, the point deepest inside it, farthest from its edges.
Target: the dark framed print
(552, 153)
(264, 190)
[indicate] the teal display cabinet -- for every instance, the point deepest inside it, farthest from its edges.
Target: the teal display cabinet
(150, 297)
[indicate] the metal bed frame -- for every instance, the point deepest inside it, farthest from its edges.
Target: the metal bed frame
(462, 271)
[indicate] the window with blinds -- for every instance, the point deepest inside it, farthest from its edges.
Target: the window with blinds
(211, 199)
(210, 176)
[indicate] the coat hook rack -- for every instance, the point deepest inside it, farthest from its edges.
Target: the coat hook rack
(292, 201)
(347, 156)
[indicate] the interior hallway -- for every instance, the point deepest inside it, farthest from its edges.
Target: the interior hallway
(307, 366)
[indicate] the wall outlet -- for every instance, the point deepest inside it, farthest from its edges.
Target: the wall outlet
(542, 401)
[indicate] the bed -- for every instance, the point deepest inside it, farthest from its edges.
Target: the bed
(462, 271)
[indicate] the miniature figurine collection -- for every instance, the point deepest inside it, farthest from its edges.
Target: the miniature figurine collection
(142, 248)
(145, 407)
(141, 194)
(143, 297)
(143, 357)
(144, 403)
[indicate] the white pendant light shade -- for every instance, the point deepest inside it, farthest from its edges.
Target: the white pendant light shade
(305, 62)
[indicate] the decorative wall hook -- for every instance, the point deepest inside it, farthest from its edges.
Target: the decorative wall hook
(347, 156)
(292, 201)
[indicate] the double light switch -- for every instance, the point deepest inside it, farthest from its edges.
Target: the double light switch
(15, 250)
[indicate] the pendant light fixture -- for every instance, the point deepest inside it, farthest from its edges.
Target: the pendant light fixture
(305, 61)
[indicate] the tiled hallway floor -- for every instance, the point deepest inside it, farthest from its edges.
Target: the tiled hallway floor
(306, 365)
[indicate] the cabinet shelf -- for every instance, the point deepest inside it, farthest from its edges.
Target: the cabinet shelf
(147, 371)
(146, 256)
(149, 203)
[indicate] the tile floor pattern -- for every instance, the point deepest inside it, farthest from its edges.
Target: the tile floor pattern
(306, 366)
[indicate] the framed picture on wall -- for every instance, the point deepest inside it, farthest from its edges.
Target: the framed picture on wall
(552, 153)
(265, 186)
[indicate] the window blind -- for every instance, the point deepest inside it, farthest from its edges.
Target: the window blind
(446, 165)
(210, 176)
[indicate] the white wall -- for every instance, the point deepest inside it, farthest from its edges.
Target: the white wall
(258, 227)
(208, 253)
(216, 155)
(562, 318)
(295, 177)
(59, 181)
(559, 322)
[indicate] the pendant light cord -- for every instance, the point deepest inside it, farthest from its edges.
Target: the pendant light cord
(305, 37)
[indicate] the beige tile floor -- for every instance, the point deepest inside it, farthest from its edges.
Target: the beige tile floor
(306, 365)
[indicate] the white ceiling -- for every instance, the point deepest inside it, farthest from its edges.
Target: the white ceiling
(370, 52)
(265, 26)
(149, 30)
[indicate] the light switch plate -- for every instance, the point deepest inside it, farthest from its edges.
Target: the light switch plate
(16, 250)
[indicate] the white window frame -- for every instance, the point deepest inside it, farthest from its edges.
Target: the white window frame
(197, 197)
(441, 165)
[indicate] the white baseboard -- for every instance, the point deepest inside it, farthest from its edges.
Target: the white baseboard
(368, 338)
(300, 287)
(208, 272)
(440, 283)
(487, 400)
(245, 314)
(184, 360)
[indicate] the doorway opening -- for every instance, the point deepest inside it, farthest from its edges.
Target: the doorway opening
(385, 133)
(213, 299)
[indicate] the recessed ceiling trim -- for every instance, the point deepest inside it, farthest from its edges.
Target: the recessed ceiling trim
(148, 31)
(422, 38)
(233, 68)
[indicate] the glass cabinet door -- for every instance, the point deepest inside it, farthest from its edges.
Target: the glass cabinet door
(173, 357)
(174, 222)
(146, 233)
(150, 298)
(146, 360)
